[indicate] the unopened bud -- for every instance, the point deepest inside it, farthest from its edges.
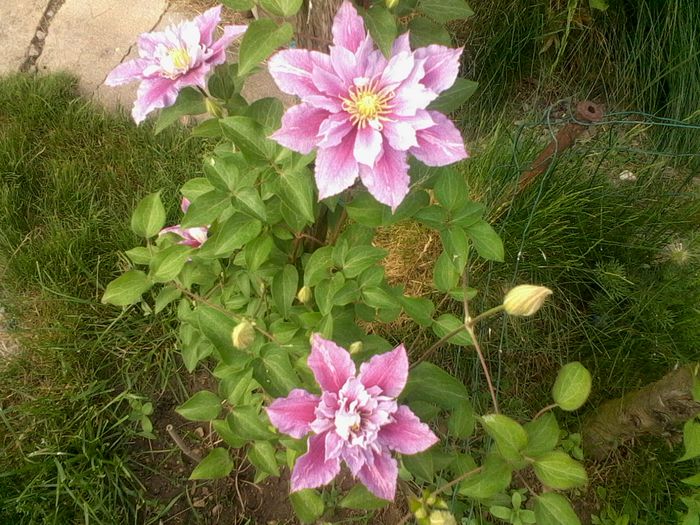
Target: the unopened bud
(442, 517)
(356, 347)
(305, 295)
(525, 299)
(420, 514)
(391, 4)
(213, 107)
(243, 335)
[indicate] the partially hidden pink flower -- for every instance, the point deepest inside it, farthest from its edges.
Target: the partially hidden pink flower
(356, 419)
(365, 113)
(170, 60)
(194, 237)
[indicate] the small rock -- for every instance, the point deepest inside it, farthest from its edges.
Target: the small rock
(34, 51)
(40, 35)
(627, 176)
(199, 431)
(49, 13)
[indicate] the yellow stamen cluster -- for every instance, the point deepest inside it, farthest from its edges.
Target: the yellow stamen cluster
(180, 58)
(367, 104)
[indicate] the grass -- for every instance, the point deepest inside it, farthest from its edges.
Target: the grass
(70, 176)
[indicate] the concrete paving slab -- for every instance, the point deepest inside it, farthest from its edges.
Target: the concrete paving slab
(18, 23)
(89, 38)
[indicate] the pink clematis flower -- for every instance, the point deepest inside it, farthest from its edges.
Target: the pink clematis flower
(356, 419)
(365, 113)
(194, 237)
(170, 60)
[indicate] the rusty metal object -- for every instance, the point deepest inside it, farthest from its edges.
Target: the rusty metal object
(587, 112)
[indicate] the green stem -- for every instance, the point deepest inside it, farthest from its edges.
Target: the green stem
(488, 313)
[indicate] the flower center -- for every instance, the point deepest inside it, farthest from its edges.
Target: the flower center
(367, 104)
(348, 421)
(180, 58)
(176, 62)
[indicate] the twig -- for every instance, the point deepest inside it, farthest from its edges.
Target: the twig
(182, 445)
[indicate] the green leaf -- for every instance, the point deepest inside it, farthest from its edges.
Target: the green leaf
(558, 470)
(283, 8)
(167, 264)
(262, 38)
(189, 102)
(217, 464)
(223, 428)
(360, 258)
(239, 5)
(235, 385)
(274, 371)
(600, 5)
(462, 420)
(308, 505)
(127, 289)
(542, 435)
(359, 498)
(430, 383)
(448, 323)
(425, 32)
(453, 98)
(382, 26)
(149, 217)
(445, 273)
(509, 435)
(284, 289)
(502, 513)
(495, 476)
(456, 245)
(554, 509)
(318, 266)
(296, 191)
(445, 10)
(572, 386)
(218, 327)
(248, 135)
(249, 201)
(419, 309)
(262, 455)
(267, 111)
(378, 297)
(139, 255)
(420, 465)
(258, 251)
(206, 208)
(203, 406)
(325, 292)
(248, 423)
(486, 241)
(166, 296)
(691, 440)
(237, 231)
(451, 189)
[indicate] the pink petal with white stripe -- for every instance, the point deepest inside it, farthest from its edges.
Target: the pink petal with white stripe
(313, 469)
(388, 371)
(368, 145)
(336, 167)
(388, 181)
(441, 144)
(291, 70)
(380, 476)
(207, 22)
(300, 128)
(407, 434)
(330, 364)
(294, 414)
(348, 27)
(441, 66)
(153, 93)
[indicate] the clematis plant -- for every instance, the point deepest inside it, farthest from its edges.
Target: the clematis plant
(364, 112)
(182, 55)
(356, 419)
(278, 264)
(194, 237)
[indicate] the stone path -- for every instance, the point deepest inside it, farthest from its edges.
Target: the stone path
(89, 38)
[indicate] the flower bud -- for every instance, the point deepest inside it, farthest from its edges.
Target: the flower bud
(525, 299)
(243, 335)
(391, 4)
(305, 295)
(442, 517)
(420, 514)
(213, 107)
(356, 347)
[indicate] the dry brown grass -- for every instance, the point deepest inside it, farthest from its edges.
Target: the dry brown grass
(196, 7)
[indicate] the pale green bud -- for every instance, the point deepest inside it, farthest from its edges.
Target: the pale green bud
(442, 517)
(305, 295)
(526, 299)
(243, 335)
(420, 514)
(356, 347)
